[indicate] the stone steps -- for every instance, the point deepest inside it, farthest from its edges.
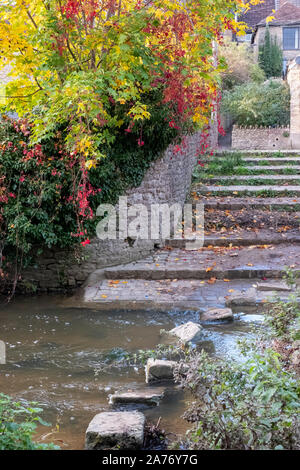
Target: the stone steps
(275, 168)
(174, 277)
(276, 178)
(242, 203)
(236, 203)
(243, 238)
(195, 273)
(242, 263)
(273, 160)
(246, 189)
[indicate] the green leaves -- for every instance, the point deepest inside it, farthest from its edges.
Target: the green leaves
(256, 104)
(252, 404)
(18, 425)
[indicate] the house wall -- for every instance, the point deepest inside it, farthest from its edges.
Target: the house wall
(276, 33)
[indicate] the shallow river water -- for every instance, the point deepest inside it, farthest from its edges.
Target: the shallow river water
(52, 353)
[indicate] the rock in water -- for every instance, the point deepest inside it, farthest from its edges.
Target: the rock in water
(159, 370)
(242, 299)
(124, 430)
(215, 314)
(149, 396)
(189, 332)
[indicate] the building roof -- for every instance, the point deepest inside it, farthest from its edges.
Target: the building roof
(258, 13)
(286, 15)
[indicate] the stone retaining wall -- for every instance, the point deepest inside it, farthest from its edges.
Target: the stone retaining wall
(167, 181)
(260, 138)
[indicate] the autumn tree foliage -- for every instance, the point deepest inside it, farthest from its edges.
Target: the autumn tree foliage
(73, 59)
(89, 74)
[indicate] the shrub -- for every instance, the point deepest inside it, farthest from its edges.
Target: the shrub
(251, 405)
(253, 104)
(47, 201)
(18, 424)
(270, 56)
(283, 318)
(241, 65)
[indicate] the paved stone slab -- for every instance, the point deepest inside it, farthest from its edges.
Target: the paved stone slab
(217, 314)
(158, 370)
(148, 396)
(273, 286)
(163, 295)
(187, 333)
(120, 430)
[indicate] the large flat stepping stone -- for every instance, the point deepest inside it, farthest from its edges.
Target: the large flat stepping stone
(217, 314)
(148, 396)
(120, 430)
(158, 370)
(273, 286)
(188, 333)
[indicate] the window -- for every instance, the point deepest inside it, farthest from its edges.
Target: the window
(291, 38)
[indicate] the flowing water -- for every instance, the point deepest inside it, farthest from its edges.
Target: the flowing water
(52, 353)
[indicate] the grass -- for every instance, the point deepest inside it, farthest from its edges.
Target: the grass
(261, 193)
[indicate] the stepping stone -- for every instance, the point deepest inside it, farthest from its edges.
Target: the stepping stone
(215, 314)
(158, 370)
(242, 299)
(273, 286)
(188, 333)
(150, 397)
(121, 430)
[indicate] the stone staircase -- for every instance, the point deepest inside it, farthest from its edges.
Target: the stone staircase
(251, 234)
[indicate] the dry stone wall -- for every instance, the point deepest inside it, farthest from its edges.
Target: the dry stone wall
(167, 181)
(261, 138)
